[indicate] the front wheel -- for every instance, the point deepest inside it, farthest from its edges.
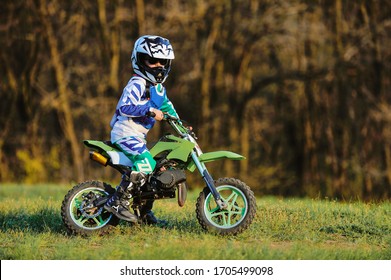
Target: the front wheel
(79, 214)
(240, 211)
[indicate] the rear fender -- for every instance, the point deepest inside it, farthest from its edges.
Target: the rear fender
(99, 146)
(117, 157)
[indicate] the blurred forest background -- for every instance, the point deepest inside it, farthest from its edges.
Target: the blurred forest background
(300, 87)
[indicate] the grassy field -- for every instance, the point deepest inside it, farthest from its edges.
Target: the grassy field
(293, 229)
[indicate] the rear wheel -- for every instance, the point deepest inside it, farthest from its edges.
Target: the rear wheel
(79, 214)
(240, 211)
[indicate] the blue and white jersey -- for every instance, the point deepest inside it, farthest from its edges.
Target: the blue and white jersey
(130, 117)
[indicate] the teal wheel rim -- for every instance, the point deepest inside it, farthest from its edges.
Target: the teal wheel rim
(233, 215)
(89, 218)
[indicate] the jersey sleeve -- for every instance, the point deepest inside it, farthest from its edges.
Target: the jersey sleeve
(132, 104)
(168, 107)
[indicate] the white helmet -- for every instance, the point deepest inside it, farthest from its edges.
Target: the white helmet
(153, 49)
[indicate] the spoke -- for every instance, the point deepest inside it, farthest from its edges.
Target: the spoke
(96, 221)
(215, 214)
(236, 209)
(231, 197)
(100, 219)
(236, 212)
(225, 221)
(82, 220)
(227, 217)
(230, 218)
(224, 217)
(213, 211)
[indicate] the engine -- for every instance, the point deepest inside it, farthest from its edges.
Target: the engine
(166, 180)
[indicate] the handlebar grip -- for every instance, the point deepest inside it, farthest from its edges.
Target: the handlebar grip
(166, 116)
(150, 114)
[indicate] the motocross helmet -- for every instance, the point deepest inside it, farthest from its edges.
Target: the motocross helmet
(152, 49)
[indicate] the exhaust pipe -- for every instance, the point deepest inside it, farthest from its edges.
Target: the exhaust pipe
(99, 158)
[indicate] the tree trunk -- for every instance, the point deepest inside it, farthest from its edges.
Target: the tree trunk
(140, 13)
(65, 112)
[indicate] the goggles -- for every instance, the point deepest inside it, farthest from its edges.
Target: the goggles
(152, 60)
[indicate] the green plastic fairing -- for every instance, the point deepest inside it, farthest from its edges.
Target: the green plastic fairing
(99, 146)
(178, 148)
(212, 156)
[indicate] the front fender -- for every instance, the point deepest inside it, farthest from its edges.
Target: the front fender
(213, 156)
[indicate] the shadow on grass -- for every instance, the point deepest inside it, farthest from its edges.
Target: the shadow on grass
(49, 220)
(174, 224)
(45, 220)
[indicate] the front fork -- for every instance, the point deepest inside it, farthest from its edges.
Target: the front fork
(209, 181)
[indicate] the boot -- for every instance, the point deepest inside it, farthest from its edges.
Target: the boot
(138, 178)
(118, 204)
(149, 218)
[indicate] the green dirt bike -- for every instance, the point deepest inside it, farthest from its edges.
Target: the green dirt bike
(225, 206)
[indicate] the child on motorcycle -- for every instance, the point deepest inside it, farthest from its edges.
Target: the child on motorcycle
(142, 103)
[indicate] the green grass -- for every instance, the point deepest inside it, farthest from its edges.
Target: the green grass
(31, 228)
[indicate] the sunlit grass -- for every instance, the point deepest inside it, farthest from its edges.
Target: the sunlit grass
(31, 228)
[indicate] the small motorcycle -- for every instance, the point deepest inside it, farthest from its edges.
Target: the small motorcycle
(226, 206)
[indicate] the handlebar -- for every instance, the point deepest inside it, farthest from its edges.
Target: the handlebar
(176, 123)
(166, 117)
